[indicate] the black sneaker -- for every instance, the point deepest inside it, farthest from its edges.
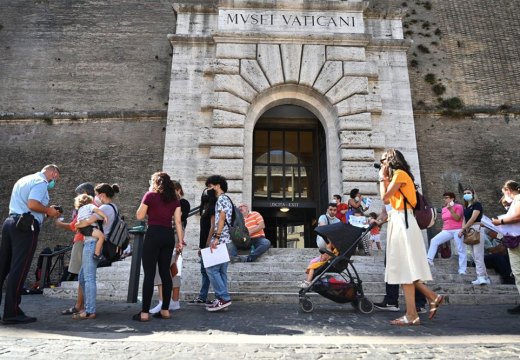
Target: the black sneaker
(387, 307)
(198, 301)
(514, 311)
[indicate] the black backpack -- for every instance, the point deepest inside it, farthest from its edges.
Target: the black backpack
(118, 238)
(238, 230)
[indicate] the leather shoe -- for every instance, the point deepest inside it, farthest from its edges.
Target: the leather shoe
(20, 319)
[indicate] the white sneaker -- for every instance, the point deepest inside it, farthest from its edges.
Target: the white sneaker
(481, 280)
(157, 308)
(174, 305)
(304, 284)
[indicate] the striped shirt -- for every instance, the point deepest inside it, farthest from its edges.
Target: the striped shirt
(253, 219)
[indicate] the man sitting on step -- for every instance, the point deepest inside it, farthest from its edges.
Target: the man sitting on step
(255, 225)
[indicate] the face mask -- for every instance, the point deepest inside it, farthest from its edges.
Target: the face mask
(468, 197)
(508, 198)
(51, 184)
(97, 201)
(356, 198)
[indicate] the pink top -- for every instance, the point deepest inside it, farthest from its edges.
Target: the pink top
(449, 223)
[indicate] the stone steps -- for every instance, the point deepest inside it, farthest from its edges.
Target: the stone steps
(275, 278)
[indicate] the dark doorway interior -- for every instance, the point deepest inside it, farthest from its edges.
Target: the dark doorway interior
(289, 175)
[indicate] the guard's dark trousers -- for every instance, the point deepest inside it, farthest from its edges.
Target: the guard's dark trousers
(16, 254)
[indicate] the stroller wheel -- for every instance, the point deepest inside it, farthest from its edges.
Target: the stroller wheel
(365, 306)
(306, 305)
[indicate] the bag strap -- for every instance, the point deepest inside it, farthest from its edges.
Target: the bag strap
(232, 212)
(405, 210)
(116, 216)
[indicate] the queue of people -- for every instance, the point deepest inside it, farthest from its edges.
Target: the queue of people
(407, 262)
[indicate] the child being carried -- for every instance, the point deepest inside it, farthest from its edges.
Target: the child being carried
(85, 205)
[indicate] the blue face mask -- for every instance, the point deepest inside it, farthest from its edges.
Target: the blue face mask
(51, 184)
(468, 197)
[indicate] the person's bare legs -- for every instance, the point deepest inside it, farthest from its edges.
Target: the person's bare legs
(434, 299)
(411, 311)
(79, 300)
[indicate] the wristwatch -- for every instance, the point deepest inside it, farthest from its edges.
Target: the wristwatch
(502, 221)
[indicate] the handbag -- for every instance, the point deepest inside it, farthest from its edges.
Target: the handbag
(445, 251)
(471, 236)
(174, 269)
(511, 242)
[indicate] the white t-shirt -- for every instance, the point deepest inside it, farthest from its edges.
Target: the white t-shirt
(86, 211)
(322, 221)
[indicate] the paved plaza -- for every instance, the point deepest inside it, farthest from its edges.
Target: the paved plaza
(260, 331)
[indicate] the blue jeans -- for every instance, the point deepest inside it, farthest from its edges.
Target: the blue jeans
(87, 274)
(204, 288)
(261, 245)
(218, 277)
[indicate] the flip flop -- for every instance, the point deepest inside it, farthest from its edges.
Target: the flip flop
(137, 317)
(83, 316)
(161, 316)
(70, 311)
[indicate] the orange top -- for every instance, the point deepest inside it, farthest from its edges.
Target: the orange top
(408, 189)
(254, 218)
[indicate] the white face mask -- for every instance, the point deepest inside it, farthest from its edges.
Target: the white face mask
(97, 201)
(356, 198)
(508, 198)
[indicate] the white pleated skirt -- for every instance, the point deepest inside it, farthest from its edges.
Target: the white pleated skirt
(406, 259)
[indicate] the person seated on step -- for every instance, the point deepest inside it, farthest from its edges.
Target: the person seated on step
(255, 225)
(496, 256)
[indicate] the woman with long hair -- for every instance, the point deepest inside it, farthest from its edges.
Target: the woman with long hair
(160, 205)
(406, 262)
(511, 191)
(472, 215)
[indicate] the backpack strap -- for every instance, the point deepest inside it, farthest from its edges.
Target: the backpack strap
(233, 216)
(405, 210)
(116, 216)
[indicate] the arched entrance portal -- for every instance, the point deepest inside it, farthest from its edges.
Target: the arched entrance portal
(289, 174)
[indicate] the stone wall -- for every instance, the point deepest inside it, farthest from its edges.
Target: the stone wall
(84, 55)
(98, 150)
(479, 151)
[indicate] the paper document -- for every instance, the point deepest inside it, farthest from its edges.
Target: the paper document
(219, 256)
(507, 229)
(358, 221)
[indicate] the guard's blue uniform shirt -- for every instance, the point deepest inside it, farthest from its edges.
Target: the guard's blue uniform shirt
(30, 187)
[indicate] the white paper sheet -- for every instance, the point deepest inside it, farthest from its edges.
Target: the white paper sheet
(219, 256)
(507, 229)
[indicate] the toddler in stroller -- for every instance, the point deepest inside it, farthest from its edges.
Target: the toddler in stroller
(333, 275)
(317, 263)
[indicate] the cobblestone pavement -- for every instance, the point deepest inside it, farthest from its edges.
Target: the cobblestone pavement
(260, 331)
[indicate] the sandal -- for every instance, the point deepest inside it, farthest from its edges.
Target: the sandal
(83, 316)
(403, 321)
(70, 311)
(434, 306)
(161, 316)
(137, 317)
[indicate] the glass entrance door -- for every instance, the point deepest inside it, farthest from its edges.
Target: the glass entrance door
(289, 175)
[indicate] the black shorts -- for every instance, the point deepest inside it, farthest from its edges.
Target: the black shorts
(87, 230)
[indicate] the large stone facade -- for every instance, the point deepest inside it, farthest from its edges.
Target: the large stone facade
(228, 69)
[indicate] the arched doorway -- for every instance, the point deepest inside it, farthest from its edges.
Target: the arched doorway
(289, 174)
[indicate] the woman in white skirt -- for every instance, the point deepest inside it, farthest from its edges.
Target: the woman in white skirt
(406, 262)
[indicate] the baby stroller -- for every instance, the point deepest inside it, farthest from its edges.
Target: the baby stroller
(338, 279)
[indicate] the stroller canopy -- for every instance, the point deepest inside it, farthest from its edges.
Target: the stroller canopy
(342, 236)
